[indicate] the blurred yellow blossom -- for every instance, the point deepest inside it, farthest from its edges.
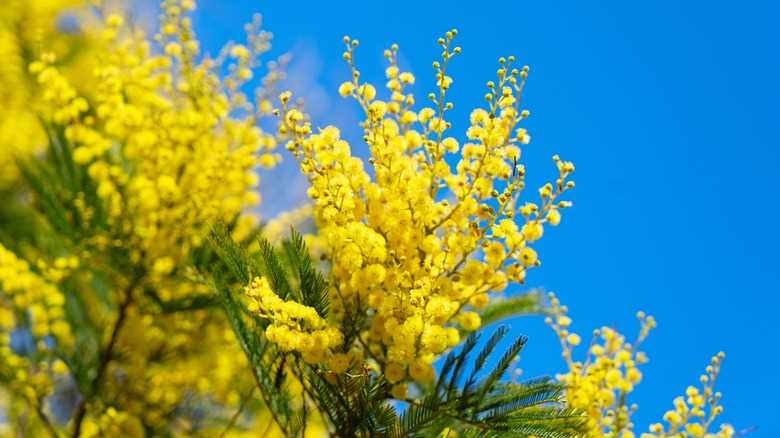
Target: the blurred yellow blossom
(26, 29)
(171, 145)
(32, 311)
(189, 157)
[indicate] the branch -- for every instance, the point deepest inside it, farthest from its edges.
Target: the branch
(105, 357)
(45, 420)
(238, 412)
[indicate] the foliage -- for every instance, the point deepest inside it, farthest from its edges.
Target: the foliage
(355, 398)
(117, 331)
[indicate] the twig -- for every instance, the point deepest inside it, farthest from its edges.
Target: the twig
(105, 357)
(238, 412)
(45, 420)
(266, 400)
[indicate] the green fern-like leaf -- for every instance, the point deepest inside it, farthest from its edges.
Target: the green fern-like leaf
(498, 309)
(314, 287)
(274, 270)
(483, 355)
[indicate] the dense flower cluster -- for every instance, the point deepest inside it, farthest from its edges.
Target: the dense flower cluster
(171, 146)
(419, 245)
(600, 384)
(170, 362)
(293, 326)
(278, 228)
(113, 423)
(26, 27)
(32, 329)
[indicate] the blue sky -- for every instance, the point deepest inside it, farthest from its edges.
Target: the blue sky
(668, 110)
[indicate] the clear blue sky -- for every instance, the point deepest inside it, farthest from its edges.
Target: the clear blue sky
(669, 110)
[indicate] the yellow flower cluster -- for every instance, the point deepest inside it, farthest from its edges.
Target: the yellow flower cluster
(25, 28)
(113, 423)
(278, 228)
(170, 145)
(415, 244)
(694, 414)
(293, 326)
(600, 384)
(212, 368)
(30, 307)
(59, 269)
(25, 291)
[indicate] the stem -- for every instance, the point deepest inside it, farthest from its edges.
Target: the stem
(105, 357)
(267, 401)
(303, 400)
(45, 420)
(238, 412)
(267, 428)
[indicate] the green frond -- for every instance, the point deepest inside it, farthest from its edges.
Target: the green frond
(459, 362)
(40, 179)
(498, 309)
(235, 263)
(505, 398)
(483, 355)
(487, 406)
(503, 364)
(274, 270)
(57, 183)
(263, 359)
(314, 287)
(417, 417)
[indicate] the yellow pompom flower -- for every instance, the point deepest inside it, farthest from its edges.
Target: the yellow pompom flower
(346, 89)
(470, 321)
(399, 391)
